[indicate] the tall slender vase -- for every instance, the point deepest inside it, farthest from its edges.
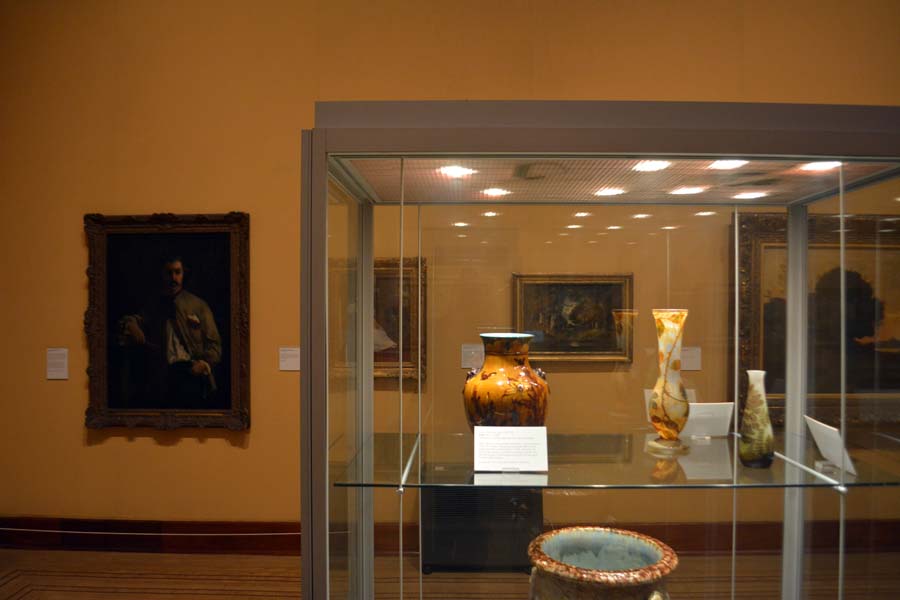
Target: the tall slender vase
(506, 390)
(757, 445)
(669, 406)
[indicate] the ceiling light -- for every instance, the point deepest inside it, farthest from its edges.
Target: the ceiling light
(460, 224)
(563, 234)
(614, 227)
(456, 171)
(610, 191)
(483, 242)
(602, 233)
(641, 216)
(886, 230)
(632, 243)
(494, 192)
(687, 189)
(574, 226)
(489, 213)
(669, 227)
(652, 165)
(461, 235)
(725, 165)
(705, 213)
(825, 165)
(750, 195)
(548, 242)
(595, 241)
(582, 214)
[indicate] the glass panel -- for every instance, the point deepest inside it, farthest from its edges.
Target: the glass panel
(343, 390)
(527, 245)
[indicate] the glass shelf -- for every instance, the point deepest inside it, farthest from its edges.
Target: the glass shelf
(614, 461)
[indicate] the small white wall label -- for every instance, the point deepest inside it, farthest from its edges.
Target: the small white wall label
(57, 363)
(690, 358)
(289, 358)
(472, 355)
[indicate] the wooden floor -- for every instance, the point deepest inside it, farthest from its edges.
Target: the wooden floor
(58, 575)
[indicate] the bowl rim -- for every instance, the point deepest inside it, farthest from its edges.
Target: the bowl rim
(620, 578)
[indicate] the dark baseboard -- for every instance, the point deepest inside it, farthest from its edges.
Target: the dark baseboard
(203, 537)
(283, 538)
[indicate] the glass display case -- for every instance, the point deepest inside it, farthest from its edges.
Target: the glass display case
(623, 267)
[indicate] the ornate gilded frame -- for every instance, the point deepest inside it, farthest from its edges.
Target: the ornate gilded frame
(762, 231)
(97, 229)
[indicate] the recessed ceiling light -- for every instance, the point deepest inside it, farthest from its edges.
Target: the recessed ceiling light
(483, 242)
(610, 191)
(461, 235)
(456, 171)
(669, 227)
(494, 192)
(460, 224)
(574, 226)
(614, 227)
(725, 165)
(563, 234)
(641, 216)
(632, 243)
(652, 165)
(750, 195)
(705, 213)
(601, 233)
(489, 213)
(824, 165)
(595, 241)
(687, 189)
(548, 242)
(897, 199)
(582, 214)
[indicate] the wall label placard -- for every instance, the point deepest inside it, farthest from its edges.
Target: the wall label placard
(511, 449)
(57, 363)
(289, 358)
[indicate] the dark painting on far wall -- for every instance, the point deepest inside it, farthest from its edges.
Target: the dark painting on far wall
(575, 317)
(388, 362)
(872, 348)
(168, 321)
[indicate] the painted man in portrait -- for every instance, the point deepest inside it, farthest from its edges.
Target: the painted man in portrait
(172, 347)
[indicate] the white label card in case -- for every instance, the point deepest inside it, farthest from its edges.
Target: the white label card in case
(828, 439)
(511, 449)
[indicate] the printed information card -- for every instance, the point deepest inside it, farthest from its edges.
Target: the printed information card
(511, 449)
(57, 363)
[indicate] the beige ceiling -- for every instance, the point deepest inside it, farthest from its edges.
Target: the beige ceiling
(568, 180)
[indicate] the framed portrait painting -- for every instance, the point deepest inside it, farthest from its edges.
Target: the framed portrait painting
(388, 362)
(168, 321)
(872, 304)
(575, 317)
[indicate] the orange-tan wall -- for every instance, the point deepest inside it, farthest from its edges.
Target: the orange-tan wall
(139, 107)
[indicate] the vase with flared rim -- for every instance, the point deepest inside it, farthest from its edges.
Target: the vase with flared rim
(756, 447)
(669, 406)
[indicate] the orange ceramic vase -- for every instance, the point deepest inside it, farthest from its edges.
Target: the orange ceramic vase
(506, 390)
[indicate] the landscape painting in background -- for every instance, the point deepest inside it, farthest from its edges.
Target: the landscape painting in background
(572, 316)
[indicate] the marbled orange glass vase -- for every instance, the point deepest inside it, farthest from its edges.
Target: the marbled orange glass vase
(506, 390)
(669, 406)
